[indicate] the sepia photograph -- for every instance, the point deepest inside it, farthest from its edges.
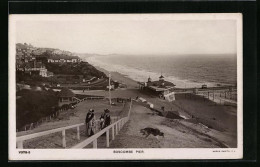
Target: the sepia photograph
(125, 86)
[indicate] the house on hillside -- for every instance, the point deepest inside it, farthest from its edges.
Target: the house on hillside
(34, 68)
(64, 59)
(50, 74)
(159, 88)
(66, 96)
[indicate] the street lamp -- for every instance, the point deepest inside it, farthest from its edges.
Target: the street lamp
(109, 87)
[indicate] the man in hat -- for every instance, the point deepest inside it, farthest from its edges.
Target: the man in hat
(105, 119)
(90, 123)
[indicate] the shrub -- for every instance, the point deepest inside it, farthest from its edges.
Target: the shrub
(34, 105)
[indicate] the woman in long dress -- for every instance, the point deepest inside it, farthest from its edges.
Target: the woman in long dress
(90, 123)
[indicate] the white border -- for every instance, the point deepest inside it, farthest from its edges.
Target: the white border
(107, 154)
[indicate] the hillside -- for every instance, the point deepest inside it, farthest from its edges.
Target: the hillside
(28, 56)
(49, 53)
(82, 68)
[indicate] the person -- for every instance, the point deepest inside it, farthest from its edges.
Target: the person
(90, 123)
(105, 119)
(102, 120)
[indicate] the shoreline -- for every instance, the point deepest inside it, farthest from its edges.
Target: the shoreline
(116, 76)
(180, 84)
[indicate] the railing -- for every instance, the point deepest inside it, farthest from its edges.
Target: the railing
(118, 124)
(222, 98)
(21, 139)
(92, 98)
(116, 127)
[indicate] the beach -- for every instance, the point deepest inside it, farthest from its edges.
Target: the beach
(183, 71)
(116, 76)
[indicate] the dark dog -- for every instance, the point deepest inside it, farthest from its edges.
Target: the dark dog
(148, 131)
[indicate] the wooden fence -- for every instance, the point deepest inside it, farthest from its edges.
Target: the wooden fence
(116, 127)
(115, 123)
(21, 139)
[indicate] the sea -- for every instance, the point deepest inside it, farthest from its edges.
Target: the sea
(186, 71)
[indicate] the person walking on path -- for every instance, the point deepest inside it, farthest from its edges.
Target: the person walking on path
(105, 119)
(90, 123)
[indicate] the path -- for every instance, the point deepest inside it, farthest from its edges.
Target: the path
(178, 133)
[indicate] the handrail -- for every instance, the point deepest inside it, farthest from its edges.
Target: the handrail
(95, 136)
(20, 139)
(118, 125)
(39, 134)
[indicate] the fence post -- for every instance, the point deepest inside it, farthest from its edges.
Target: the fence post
(78, 134)
(95, 143)
(63, 138)
(20, 144)
(113, 133)
(116, 129)
(107, 137)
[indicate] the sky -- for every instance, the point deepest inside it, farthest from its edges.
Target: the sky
(131, 37)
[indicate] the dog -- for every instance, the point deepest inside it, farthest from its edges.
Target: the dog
(147, 131)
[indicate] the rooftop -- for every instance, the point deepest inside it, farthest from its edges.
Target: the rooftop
(65, 92)
(162, 84)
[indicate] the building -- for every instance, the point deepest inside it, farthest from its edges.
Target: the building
(43, 72)
(63, 60)
(50, 74)
(66, 96)
(159, 88)
(34, 68)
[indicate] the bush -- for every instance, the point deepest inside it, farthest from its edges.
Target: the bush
(82, 68)
(34, 105)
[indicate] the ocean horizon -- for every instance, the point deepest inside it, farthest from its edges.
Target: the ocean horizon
(183, 71)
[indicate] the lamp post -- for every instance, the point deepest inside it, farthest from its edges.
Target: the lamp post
(109, 86)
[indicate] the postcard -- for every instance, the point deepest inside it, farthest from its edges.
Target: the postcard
(125, 86)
